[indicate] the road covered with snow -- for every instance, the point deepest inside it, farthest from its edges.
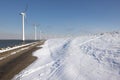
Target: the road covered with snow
(95, 57)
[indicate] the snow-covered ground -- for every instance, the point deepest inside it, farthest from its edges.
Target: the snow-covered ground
(94, 57)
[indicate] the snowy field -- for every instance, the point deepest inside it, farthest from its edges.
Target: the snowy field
(95, 57)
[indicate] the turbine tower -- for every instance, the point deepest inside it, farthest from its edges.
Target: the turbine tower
(35, 26)
(23, 22)
(40, 34)
(35, 33)
(23, 25)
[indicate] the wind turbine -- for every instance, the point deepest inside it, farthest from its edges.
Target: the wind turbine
(35, 26)
(23, 23)
(40, 34)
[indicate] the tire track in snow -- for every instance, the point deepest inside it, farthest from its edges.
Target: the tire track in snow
(61, 61)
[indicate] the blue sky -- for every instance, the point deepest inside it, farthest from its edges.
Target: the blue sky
(59, 17)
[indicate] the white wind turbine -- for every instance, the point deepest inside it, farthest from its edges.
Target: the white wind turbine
(23, 23)
(35, 26)
(40, 34)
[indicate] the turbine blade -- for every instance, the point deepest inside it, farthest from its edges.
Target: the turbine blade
(26, 8)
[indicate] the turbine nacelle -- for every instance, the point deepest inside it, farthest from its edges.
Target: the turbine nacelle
(22, 13)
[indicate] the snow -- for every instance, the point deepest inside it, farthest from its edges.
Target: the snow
(95, 57)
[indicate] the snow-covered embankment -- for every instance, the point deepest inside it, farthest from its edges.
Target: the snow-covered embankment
(84, 58)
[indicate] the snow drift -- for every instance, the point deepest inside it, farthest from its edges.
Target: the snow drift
(95, 57)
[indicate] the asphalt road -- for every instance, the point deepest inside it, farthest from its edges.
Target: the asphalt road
(13, 64)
